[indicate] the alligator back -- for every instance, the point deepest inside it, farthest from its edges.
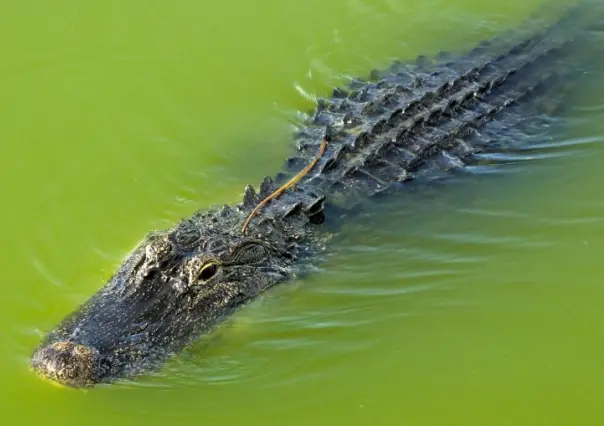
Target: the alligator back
(421, 120)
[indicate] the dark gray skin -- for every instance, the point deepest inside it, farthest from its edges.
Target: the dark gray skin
(174, 286)
(403, 126)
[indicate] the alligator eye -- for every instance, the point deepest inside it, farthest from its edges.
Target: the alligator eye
(208, 271)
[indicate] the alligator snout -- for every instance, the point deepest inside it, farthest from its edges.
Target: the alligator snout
(67, 363)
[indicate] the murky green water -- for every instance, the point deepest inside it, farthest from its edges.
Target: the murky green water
(480, 304)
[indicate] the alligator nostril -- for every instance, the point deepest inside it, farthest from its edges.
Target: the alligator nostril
(67, 363)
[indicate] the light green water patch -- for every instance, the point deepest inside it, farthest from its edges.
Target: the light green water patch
(478, 304)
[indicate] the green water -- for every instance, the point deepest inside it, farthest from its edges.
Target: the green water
(478, 305)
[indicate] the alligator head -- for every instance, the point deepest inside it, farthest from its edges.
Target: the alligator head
(175, 285)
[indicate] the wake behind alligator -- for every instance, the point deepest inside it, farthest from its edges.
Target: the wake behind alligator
(403, 126)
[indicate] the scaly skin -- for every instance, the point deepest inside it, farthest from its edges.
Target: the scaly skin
(405, 125)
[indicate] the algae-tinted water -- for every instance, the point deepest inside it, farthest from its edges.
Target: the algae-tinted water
(477, 304)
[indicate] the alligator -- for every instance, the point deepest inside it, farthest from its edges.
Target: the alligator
(372, 139)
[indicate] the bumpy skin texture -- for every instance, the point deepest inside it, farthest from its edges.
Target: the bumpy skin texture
(406, 124)
(174, 286)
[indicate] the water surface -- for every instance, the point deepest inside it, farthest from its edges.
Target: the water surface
(477, 303)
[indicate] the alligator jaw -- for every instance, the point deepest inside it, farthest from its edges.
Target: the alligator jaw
(132, 325)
